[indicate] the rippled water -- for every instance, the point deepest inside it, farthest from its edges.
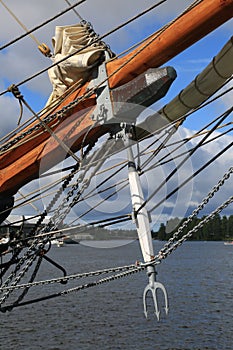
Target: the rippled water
(198, 278)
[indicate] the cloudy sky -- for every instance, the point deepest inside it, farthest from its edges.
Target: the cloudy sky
(21, 60)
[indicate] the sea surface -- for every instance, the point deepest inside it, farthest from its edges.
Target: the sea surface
(199, 281)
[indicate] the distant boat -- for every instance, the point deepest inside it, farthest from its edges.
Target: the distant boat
(228, 243)
(58, 242)
(68, 240)
(61, 242)
(4, 243)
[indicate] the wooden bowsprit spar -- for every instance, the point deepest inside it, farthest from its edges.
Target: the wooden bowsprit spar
(21, 162)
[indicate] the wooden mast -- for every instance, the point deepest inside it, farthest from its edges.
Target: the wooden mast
(22, 164)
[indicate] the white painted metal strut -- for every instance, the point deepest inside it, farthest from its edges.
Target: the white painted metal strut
(142, 219)
(144, 232)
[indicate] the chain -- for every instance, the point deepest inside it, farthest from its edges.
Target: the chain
(129, 270)
(213, 191)
(102, 280)
(60, 213)
(33, 276)
(126, 268)
(48, 119)
(31, 250)
(75, 289)
(194, 230)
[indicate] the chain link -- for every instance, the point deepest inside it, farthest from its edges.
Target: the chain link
(163, 254)
(60, 213)
(59, 115)
(205, 201)
(126, 268)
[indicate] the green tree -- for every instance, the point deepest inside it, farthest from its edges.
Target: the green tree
(162, 232)
(225, 227)
(230, 226)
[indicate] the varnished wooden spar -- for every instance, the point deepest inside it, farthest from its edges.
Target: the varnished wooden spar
(42, 151)
(24, 163)
(158, 49)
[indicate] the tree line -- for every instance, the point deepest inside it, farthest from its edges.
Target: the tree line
(217, 229)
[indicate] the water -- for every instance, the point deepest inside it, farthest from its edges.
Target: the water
(198, 277)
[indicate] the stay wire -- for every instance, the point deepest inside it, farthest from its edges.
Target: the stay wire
(99, 38)
(143, 170)
(181, 143)
(192, 176)
(158, 163)
(127, 217)
(223, 117)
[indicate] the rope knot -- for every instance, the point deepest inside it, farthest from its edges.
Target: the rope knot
(15, 91)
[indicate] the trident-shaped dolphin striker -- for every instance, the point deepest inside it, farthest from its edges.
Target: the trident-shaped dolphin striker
(152, 287)
(141, 218)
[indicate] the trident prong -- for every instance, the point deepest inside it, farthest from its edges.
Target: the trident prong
(152, 287)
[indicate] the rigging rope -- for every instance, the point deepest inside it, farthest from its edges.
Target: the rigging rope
(75, 11)
(41, 46)
(192, 176)
(20, 23)
(14, 89)
(43, 24)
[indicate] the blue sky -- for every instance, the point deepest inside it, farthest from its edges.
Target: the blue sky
(23, 59)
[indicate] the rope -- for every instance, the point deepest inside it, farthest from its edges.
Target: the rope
(15, 91)
(42, 24)
(41, 46)
(75, 11)
(20, 23)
